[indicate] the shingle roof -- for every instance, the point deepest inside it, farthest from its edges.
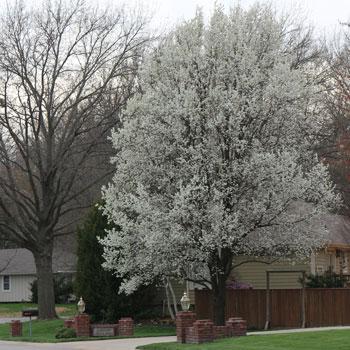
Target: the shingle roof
(21, 262)
(338, 229)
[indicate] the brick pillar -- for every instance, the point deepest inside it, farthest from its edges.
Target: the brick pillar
(16, 328)
(237, 326)
(126, 327)
(184, 319)
(82, 325)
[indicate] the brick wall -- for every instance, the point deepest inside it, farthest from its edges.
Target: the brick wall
(221, 331)
(190, 330)
(237, 326)
(200, 332)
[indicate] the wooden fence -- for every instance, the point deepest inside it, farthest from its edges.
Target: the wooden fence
(323, 307)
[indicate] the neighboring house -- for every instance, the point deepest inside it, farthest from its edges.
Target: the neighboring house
(17, 272)
(335, 257)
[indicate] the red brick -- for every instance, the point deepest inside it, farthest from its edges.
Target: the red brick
(184, 319)
(126, 327)
(201, 332)
(82, 325)
(16, 328)
(221, 332)
(69, 323)
(237, 326)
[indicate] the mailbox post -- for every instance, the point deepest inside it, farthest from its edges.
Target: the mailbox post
(29, 313)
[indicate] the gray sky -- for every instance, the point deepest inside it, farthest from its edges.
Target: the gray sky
(324, 14)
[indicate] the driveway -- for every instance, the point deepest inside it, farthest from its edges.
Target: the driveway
(113, 344)
(9, 319)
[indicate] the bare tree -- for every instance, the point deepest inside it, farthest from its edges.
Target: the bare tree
(334, 144)
(66, 71)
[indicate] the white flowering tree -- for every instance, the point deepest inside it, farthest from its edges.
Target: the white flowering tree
(215, 155)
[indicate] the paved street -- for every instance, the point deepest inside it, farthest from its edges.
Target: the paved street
(9, 319)
(113, 344)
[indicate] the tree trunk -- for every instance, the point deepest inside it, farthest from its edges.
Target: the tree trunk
(220, 269)
(46, 296)
(173, 295)
(219, 299)
(170, 309)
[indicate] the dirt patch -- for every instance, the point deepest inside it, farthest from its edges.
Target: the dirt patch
(5, 314)
(61, 309)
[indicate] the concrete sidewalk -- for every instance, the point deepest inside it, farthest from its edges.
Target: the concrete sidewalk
(298, 330)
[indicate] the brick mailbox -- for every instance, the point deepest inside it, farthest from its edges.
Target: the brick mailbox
(16, 328)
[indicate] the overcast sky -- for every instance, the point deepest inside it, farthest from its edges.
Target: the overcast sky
(324, 14)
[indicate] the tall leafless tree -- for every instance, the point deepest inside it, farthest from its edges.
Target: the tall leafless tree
(335, 137)
(66, 71)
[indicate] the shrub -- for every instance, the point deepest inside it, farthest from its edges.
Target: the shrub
(327, 280)
(98, 287)
(64, 332)
(149, 313)
(63, 289)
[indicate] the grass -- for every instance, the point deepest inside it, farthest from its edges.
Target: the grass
(44, 331)
(15, 309)
(321, 340)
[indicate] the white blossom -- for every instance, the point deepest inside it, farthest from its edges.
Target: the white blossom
(215, 158)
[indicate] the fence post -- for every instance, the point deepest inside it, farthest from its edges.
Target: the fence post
(267, 323)
(303, 321)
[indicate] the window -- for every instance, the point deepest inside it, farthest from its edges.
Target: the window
(6, 283)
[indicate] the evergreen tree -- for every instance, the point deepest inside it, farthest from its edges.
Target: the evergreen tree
(98, 287)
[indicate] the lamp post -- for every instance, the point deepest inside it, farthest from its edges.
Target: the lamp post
(185, 302)
(81, 306)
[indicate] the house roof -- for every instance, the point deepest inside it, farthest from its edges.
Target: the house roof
(21, 262)
(338, 230)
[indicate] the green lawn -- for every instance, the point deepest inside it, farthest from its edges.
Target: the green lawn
(15, 309)
(327, 340)
(44, 331)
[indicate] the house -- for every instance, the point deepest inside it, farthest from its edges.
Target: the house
(17, 272)
(335, 256)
